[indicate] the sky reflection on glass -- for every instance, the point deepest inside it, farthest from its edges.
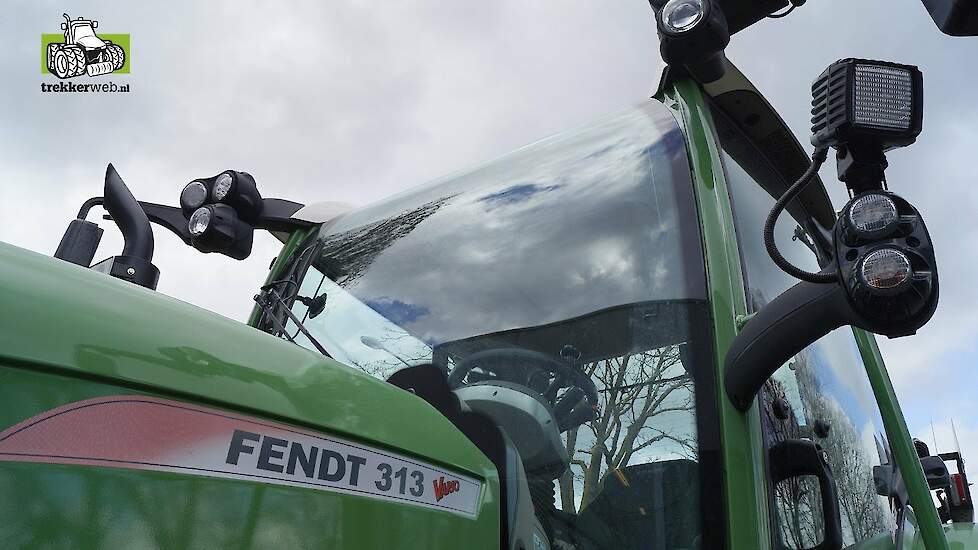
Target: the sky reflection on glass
(580, 222)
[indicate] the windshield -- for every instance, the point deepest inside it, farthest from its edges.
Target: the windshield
(82, 30)
(562, 290)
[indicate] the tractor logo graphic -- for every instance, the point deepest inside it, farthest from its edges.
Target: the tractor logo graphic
(83, 51)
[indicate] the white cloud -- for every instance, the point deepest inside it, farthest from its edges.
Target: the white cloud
(336, 101)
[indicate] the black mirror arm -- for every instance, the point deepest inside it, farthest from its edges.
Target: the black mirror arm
(170, 217)
(782, 328)
(276, 216)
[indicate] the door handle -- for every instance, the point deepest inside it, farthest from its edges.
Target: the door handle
(801, 457)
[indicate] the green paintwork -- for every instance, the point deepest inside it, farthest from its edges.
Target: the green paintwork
(901, 445)
(745, 489)
(70, 333)
(961, 536)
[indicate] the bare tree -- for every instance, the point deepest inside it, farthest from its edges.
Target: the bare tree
(634, 390)
(864, 512)
(796, 499)
(401, 350)
(862, 508)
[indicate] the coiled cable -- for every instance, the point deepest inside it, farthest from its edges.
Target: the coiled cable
(818, 158)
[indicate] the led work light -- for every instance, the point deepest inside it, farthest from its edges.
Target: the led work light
(864, 108)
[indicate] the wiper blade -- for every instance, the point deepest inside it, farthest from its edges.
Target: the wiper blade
(268, 299)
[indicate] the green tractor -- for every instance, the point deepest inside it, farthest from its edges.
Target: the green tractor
(83, 51)
(651, 332)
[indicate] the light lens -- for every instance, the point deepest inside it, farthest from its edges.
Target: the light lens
(872, 213)
(882, 97)
(221, 186)
(886, 268)
(682, 15)
(193, 195)
(199, 221)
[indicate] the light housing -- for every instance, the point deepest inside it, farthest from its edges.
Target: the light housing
(887, 264)
(887, 285)
(217, 228)
(865, 103)
(692, 36)
(238, 190)
(954, 17)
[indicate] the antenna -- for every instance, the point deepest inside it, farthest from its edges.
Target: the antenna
(933, 434)
(957, 445)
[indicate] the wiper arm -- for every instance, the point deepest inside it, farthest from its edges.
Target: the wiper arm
(268, 299)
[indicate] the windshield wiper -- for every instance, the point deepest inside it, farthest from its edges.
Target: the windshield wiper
(268, 300)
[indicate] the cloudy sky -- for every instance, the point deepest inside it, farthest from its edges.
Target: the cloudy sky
(353, 101)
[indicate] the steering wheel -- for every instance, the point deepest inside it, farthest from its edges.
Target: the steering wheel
(539, 372)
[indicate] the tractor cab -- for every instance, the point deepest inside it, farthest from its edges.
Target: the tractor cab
(82, 32)
(560, 292)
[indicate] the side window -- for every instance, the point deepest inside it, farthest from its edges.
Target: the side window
(823, 393)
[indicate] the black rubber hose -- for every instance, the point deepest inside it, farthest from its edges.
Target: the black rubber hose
(818, 157)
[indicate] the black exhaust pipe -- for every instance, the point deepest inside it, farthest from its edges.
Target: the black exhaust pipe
(135, 263)
(128, 216)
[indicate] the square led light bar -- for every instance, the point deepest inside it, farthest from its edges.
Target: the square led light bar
(865, 104)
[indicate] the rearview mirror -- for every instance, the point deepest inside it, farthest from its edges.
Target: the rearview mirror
(954, 17)
(936, 472)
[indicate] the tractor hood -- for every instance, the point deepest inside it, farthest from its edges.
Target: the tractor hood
(90, 42)
(71, 321)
